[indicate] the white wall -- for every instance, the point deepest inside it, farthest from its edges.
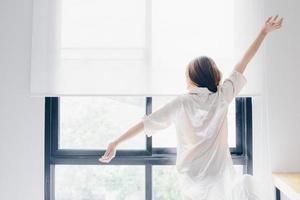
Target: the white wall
(283, 67)
(21, 117)
(283, 64)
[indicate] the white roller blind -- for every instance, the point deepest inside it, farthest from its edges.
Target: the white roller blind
(126, 47)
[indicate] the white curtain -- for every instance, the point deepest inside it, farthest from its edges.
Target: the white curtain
(131, 47)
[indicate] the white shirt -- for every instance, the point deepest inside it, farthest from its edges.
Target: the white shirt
(203, 161)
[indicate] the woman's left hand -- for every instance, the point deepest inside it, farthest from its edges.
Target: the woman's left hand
(110, 153)
(272, 23)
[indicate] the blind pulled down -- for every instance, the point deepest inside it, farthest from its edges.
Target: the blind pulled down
(126, 47)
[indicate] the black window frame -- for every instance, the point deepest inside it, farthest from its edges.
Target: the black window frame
(241, 154)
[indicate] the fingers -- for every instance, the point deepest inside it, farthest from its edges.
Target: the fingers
(274, 20)
(107, 159)
(269, 19)
(107, 152)
(109, 149)
(108, 155)
(280, 20)
(278, 24)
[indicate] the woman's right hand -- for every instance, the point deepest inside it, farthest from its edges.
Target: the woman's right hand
(272, 23)
(110, 153)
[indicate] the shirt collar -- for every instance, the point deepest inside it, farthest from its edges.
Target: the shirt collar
(201, 90)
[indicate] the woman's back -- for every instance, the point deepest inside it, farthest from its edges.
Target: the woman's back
(201, 128)
(203, 159)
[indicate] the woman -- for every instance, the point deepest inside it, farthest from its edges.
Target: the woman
(203, 159)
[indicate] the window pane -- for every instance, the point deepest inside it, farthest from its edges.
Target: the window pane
(103, 24)
(165, 183)
(91, 122)
(99, 182)
(166, 137)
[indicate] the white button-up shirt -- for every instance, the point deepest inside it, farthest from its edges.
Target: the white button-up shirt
(203, 159)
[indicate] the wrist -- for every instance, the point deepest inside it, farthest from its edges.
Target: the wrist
(263, 31)
(115, 142)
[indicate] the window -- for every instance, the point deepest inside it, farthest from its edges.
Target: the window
(100, 182)
(77, 130)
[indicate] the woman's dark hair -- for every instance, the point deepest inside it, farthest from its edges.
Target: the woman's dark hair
(203, 72)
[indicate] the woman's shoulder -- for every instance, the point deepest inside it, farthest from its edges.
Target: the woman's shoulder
(187, 98)
(200, 98)
(182, 97)
(177, 100)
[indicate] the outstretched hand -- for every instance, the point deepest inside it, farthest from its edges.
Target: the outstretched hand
(109, 154)
(272, 23)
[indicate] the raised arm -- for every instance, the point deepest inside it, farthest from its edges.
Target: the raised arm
(271, 24)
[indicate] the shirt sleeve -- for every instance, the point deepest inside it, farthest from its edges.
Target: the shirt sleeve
(161, 118)
(232, 85)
